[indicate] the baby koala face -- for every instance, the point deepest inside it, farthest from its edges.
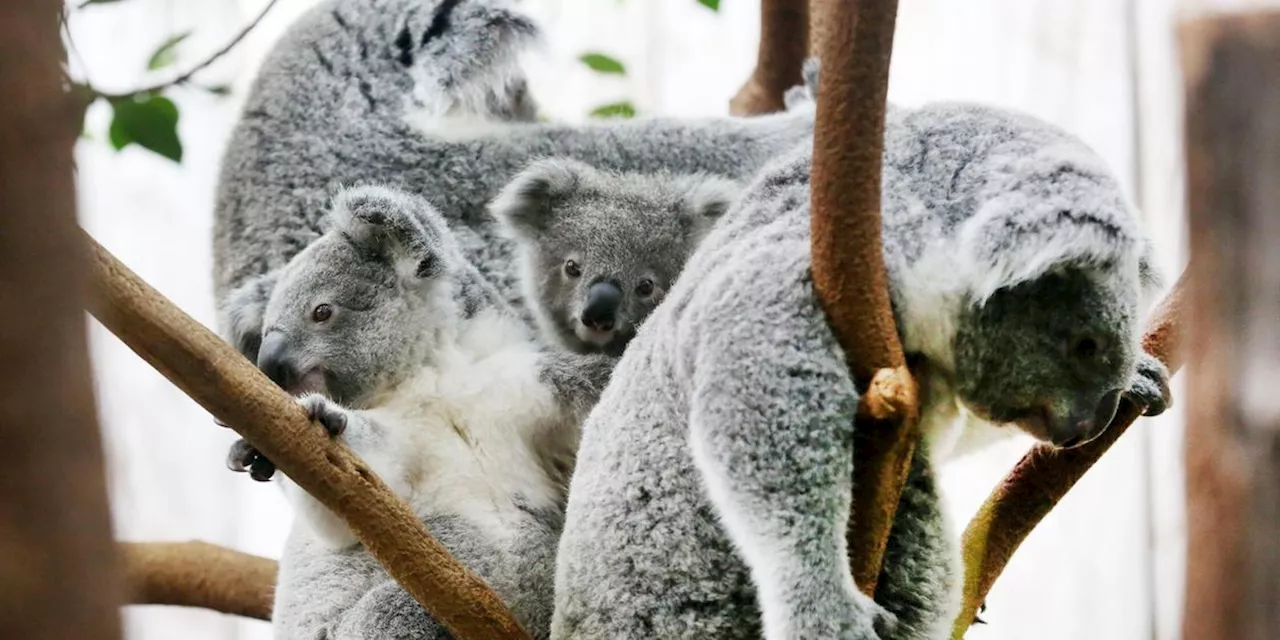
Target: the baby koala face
(599, 250)
(1054, 356)
(363, 305)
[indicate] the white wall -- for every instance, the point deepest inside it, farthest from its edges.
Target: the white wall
(1106, 565)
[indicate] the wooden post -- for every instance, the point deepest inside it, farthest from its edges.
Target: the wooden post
(58, 567)
(1232, 67)
(784, 44)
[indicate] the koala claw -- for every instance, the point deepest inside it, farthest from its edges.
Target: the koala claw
(243, 457)
(1150, 387)
(330, 416)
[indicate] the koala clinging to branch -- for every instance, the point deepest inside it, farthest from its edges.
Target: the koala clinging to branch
(399, 348)
(600, 249)
(426, 96)
(712, 489)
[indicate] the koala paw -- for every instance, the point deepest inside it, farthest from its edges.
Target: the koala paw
(322, 410)
(243, 457)
(1150, 387)
(884, 624)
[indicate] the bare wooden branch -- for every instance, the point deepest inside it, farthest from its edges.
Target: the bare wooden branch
(1040, 480)
(784, 44)
(848, 264)
(199, 574)
(1232, 66)
(222, 381)
(59, 574)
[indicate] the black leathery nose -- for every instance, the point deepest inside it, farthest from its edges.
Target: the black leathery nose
(273, 360)
(601, 309)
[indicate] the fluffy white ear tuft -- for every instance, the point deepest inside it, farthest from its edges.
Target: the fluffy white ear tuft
(393, 225)
(527, 205)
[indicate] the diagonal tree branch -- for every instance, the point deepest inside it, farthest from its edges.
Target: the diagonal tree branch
(848, 265)
(1040, 480)
(199, 574)
(221, 380)
(784, 44)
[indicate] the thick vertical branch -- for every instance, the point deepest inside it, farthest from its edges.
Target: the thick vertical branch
(784, 44)
(1041, 479)
(58, 571)
(1233, 426)
(848, 264)
(222, 381)
(199, 574)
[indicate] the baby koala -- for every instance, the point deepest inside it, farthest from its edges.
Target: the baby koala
(598, 250)
(397, 346)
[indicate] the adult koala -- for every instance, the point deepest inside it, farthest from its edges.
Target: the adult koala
(426, 96)
(712, 487)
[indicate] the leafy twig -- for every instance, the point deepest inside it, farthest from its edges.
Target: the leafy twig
(185, 77)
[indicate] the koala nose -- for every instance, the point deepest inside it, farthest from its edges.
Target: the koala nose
(601, 311)
(274, 360)
(1089, 421)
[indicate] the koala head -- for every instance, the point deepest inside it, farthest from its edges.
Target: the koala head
(599, 250)
(363, 305)
(1048, 336)
(1052, 355)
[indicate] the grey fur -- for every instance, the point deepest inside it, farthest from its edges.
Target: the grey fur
(576, 226)
(712, 486)
(435, 382)
(331, 108)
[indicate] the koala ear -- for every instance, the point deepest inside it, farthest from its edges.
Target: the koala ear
(395, 226)
(527, 206)
(707, 199)
(240, 317)
(1062, 209)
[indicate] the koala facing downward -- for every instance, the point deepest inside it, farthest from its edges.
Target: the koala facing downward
(397, 346)
(711, 493)
(600, 249)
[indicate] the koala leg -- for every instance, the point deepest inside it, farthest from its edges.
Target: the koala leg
(369, 440)
(771, 428)
(387, 612)
(920, 581)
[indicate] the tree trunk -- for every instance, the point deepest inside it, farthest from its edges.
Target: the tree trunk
(58, 572)
(1232, 67)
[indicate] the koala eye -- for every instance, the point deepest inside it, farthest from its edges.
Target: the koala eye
(1086, 347)
(322, 312)
(572, 269)
(644, 288)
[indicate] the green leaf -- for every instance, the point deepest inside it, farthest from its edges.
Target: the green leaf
(220, 90)
(149, 121)
(713, 5)
(622, 109)
(600, 63)
(167, 53)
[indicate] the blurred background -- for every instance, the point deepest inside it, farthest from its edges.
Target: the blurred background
(1105, 565)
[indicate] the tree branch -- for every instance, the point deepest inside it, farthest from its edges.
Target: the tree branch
(58, 572)
(199, 574)
(1231, 64)
(784, 44)
(848, 265)
(182, 79)
(1045, 475)
(221, 380)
